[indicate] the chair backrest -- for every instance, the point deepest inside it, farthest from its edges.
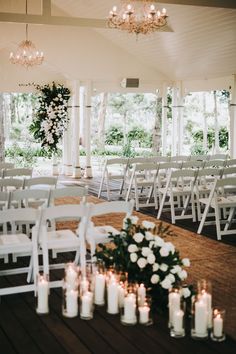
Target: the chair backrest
(111, 207)
(231, 162)
(145, 166)
(16, 172)
(67, 192)
(162, 159)
(4, 165)
(4, 200)
(214, 163)
(218, 157)
(42, 182)
(69, 211)
(170, 165)
(179, 158)
(209, 172)
(199, 158)
(227, 171)
(133, 160)
(117, 161)
(11, 183)
(23, 215)
(192, 164)
(19, 198)
(227, 185)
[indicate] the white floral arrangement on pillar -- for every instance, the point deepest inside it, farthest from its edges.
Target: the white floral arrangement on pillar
(51, 118)
(141, 251)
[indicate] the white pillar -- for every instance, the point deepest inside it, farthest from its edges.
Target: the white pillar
(66, 155)
(233, 119)
(164, 119)
(75, 117)
(180, 122)
(88, 106)
(174, 122)
(217, 145)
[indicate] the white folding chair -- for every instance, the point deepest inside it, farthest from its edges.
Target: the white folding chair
(13, 242)
(214, 163)
(64, 240)
(179, 191)
(43, 182)
(218, 157)
(100, 234)
(220, 201)
(29, 198)
(120, 166)
(143, 182)
(9, 184)
(17, 172)
(67, 192)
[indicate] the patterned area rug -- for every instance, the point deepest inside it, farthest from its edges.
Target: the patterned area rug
(210, 259)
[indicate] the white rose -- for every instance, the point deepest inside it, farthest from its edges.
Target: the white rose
(151, 258)
(149, 236)
(159, 241)
(166, 284)
(164, 252)
(132, 248)
(155, 279)
(171, 278)
(186, 262)
(182, 274)
(146, 251)
(142, 262)
(134, 220)
(148, 224)
(138, 237)
(175, 269)
(155, 267)
(133, 257)
(170, 246)
(163, 267)
(186, 292)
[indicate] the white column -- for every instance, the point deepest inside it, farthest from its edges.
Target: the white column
(66, 154)
(233, 119)
(75, 116)
(174, 122)
(164, 119)
(180, 122)
(88, 106)
(217, 145)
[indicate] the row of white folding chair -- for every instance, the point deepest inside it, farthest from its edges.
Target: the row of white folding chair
(12, 183)
(222, 200)
(44, 240)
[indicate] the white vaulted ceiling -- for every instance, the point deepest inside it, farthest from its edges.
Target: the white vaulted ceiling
(198, 44)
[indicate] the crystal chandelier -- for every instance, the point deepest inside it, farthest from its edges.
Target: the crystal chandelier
(146, 21)
(26, 53)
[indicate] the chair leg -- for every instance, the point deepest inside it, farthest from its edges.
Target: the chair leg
(217, 218)
(203, 218)
(136, 197)
(162, 202)
(230, 219)
(172, 208)
(101, 184)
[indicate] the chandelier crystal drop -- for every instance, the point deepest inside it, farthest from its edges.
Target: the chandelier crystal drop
(26, 53)
(146, 21)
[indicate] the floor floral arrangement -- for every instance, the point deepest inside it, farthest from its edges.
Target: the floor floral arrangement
(142, 252)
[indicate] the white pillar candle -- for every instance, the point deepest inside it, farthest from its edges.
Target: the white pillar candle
(141, 295)
(129, 308)
(178, 321)
(84, 285)
(99, 289)
(174, 304)
(112, 297)
(207, 299)
(218, 326)
(144, 314)
(201, 318)
(86, 304)
(72, 303)
(121, 295)
(43, 287)
(71, 276)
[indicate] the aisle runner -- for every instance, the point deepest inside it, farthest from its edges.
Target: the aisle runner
(209, 259)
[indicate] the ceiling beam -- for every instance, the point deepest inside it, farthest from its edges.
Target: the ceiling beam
(230, 4)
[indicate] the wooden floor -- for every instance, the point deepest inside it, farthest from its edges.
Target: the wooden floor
(23, 331)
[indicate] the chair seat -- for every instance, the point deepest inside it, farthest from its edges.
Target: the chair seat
(61, 239)
(101, 233)
(14, 242)
(220, 200)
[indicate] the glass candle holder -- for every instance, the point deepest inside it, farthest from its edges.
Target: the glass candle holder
(99, 281)
(218, 320)
(141, 294)
(86, 305)
(42, 294)
(204, 288)
(145, 313)
(174, 303)
(70, 299)
(128, 311)
(199, 318)
(112, 294)
(177, 329)
(71, 275)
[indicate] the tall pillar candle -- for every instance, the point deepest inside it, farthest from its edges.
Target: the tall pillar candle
(71, 303)
(43, 289)
(129, 309)
(112, 297)
(174, 304)
(201, 318)
(207, 299)
(177, 320)
(99, 290)
(141, 294)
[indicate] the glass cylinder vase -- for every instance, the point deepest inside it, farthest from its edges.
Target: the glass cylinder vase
(145, 313)
(128, 311)
(42, 294)
(218, 320)
(199, 328)
(174, 303)
(86, 305)
(70, 299)
(204, 288)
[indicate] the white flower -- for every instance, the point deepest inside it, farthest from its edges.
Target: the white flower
(164, 251)
(155, 278)
(166, 284)
(163, 267)
(186, 262)
(176, 269)
(185, 292)
(148, 224)
(146, 251)
(133, 220)
(132, 248)
(155, 267)
(138, 237)
(151, 258)
(142, 262)
(171, 277)
(149, 236)
(159, 241)
(170, 246)
(182, 274)
(133, 257)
